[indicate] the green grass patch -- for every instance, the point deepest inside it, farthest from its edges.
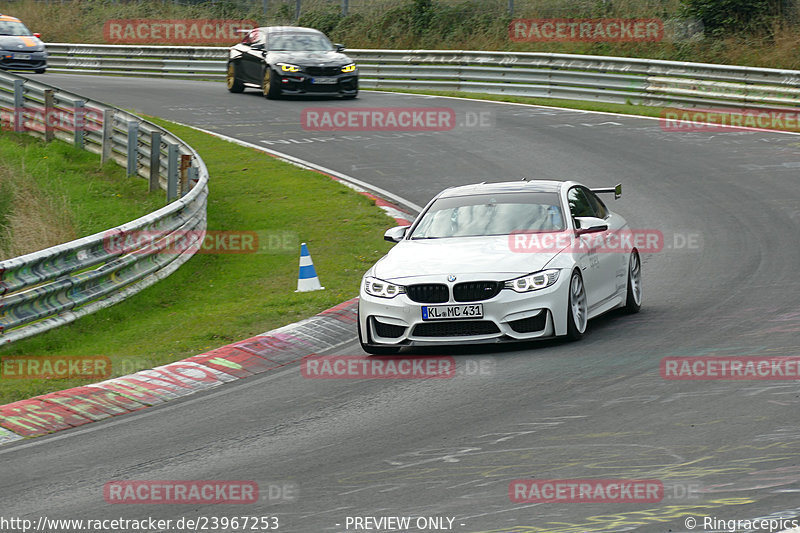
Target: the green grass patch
(215, 299)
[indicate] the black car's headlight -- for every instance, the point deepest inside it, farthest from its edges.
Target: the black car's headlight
(533, 282)
(288, 67)
(382, 289)
(349, 68)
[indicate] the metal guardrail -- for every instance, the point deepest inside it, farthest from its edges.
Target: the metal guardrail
(51, 287)
(545, 75)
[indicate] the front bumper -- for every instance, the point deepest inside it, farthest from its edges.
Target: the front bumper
(15, 60)
(507, 317)
(302, 83)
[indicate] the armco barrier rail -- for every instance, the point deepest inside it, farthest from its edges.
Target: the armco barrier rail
(51, 287)
(564, 76)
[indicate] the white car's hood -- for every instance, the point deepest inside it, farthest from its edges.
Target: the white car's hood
(490, 256)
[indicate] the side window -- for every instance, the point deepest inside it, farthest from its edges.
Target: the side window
(579, 205)
(597, 204)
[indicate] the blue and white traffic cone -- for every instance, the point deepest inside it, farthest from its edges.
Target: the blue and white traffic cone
(307, 279)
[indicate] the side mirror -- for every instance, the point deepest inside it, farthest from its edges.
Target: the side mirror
(590, 225)
(395, 234)
(339, 47)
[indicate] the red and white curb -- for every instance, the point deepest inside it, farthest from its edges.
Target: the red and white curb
(74, 407)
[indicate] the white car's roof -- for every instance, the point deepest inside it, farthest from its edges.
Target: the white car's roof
(504, 187)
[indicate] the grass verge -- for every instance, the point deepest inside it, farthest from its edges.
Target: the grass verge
(215, 299)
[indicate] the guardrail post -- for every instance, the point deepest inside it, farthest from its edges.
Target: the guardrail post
(186, 162)
(78, 122)
(19, 105)
(108, 130)
(133, 147)
(345, 6)
(49, 107)
(155, 160)
(193, 177)
(297, 10)
(172, 172)
(511, 7)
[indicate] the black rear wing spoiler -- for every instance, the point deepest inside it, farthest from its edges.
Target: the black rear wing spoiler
(617, 190)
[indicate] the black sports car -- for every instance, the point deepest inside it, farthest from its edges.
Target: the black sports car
(291, 60)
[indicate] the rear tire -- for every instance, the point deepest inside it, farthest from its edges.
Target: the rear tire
(235, 85)
(633, 301)
(269, 89)
(577, 309)
(374, 350)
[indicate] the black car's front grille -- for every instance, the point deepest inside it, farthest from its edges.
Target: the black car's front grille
(475, 291)
(531, 324)
(461, 328)
(428, 293)
(387, 331)
(323, 71)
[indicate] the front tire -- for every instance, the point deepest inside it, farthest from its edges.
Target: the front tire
(235, 85)
(40, 70)
(577, 308)
(269, 89)
(374, 350)
(633, 301)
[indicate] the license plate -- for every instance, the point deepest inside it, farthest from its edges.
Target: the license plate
(22, 56)
(450, 312)
(323, 81)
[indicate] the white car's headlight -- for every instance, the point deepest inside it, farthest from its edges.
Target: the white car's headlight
(382, 289)
(288, 67)
(533, 282)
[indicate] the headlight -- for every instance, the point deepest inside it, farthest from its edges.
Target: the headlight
(382, 289)
(349, 68)
(533, 282)
(287, 67)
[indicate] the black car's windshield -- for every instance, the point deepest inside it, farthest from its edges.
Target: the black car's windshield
(490, 214)
(10, 27)
(299, 42)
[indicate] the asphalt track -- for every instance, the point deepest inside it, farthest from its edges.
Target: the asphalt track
(551, 410)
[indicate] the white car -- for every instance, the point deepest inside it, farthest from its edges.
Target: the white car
(497, 262)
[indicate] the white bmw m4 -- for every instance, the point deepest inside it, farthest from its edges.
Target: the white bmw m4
(500, 262)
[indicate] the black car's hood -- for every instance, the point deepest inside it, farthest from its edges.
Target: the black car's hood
(311, 59)
(15, 43)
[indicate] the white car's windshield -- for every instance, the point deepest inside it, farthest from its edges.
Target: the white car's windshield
(10, 27)
(490, 214)
(299, 42)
